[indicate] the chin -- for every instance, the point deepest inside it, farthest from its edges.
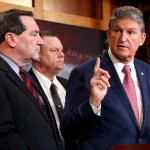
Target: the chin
(37, 58)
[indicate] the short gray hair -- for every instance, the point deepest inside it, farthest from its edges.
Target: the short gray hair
(128, 12)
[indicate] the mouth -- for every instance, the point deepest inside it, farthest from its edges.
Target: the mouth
(123, 47)
(61, 61)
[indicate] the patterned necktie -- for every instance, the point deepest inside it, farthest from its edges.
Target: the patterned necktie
(27, 81)
(56, 100)
(130, 90)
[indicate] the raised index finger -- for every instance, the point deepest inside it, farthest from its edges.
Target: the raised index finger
(97, 65)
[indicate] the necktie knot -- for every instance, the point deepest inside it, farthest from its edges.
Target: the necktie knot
(53, 85)
(21, 70)
(22, 73)
(126, 69)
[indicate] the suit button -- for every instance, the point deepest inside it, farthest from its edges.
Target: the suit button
(140, 140)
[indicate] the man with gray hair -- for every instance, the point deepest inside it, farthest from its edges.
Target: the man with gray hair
(107, 101)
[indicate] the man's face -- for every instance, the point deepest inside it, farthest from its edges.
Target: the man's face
(125, 37)
(52, 56)
(28, 42)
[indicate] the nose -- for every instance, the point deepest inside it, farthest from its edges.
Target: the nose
(40, 40)
(61, 53)
(123, 36)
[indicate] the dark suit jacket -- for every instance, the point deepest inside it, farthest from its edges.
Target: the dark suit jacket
(117, 123)
(23, 123)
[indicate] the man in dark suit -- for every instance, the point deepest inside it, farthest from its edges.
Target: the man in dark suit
(99, 111)
(24, 125)
(44, 71)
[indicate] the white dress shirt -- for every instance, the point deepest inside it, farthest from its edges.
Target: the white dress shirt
(46, 83)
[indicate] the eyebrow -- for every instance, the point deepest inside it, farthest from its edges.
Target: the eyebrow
(35, 31)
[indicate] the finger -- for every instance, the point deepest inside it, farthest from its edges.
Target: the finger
(105, 80)
(103, 73)
(100, 84)
(97, 65)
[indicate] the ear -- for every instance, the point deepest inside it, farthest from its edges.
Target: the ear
(108, 34)
(10, 39)
(143, 38)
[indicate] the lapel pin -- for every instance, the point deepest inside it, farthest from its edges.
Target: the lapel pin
(142, 73)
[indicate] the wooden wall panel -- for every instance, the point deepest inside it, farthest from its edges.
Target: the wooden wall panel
(56, 13)
(5, 6)
(87, 8)
(27, 3)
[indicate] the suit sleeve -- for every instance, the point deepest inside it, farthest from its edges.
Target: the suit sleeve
(78, 114)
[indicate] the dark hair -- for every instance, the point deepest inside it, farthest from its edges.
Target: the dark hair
(47, 33)
(10, 22)
(128, 12)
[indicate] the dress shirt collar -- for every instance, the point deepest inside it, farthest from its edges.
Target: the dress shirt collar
(44, 80)
(117, 64)
(13, 65)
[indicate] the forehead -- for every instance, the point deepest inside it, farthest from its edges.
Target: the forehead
(52, 41)
(29, 22)
(126, 23)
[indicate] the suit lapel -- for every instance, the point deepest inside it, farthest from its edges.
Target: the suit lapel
(63, 81)
(144, 82)
(117, 86)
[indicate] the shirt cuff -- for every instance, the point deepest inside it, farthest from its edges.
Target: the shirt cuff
(96, 110)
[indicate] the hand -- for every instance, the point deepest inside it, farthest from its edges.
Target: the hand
(99, 84)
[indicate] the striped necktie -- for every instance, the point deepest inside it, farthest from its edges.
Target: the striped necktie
(27, 81)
